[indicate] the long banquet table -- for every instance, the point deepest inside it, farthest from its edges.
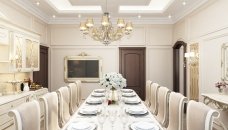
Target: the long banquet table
(77, 117)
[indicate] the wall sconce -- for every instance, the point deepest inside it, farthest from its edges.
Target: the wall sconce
(192, 57)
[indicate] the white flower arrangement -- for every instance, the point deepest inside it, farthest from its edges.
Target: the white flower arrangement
(113, 80)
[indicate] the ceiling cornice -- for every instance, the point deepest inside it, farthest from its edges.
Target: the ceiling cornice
(179, 15)
(69, 20)
(32, 9)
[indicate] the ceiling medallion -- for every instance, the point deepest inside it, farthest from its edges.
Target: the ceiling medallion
(106, 33)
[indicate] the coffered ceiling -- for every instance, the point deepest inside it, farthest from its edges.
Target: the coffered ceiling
(138, 11)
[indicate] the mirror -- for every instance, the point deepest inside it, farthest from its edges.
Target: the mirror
(224, 62)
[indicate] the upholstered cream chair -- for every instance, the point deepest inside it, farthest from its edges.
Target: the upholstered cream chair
(176, 111)
(50, 101)
(163, 106)
(64, 105)
(79, 85)
(153, 98)
(27, 116)
(148, 86)
(200, 116)
(73, 97)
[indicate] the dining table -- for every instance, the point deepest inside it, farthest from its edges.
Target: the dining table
(127, 112)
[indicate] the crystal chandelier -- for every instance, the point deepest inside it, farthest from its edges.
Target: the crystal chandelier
(106, 33)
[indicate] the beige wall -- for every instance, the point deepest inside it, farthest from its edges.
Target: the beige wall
(66, 40)
(209, 28)
(17, 17)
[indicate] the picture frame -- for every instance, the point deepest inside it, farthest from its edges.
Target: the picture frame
(84, 68)
(224, 62)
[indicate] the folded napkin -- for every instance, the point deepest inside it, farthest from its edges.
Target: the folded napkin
(93, 100)
(128, 94)
(99, 90)
(80, 126)
(137, 110)
(88, 110)
(127, 90)
(98, 94)
(131, 100)
(142, 125)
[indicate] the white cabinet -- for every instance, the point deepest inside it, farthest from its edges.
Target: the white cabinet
(19, 51)
(7, 103)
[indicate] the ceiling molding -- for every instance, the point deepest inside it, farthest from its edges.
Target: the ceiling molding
(32, 9)
(180, 15)
(70, 20)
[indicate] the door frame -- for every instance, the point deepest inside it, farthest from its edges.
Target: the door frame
(144, 59)
(176, 67)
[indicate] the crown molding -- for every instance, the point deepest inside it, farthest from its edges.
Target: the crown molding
(69, 20)
(180, 15)
(32, 9)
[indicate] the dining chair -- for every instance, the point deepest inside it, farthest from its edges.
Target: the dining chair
(163, 106)
(148, 86)
(200, 116)
(26, 116)
(153, 98)
(79, 85)
(51, 108)
(176, 111)
(73, 97)
(64, 105)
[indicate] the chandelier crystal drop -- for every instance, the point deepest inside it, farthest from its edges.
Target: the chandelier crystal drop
(106, 33)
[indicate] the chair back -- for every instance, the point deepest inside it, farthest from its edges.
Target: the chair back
(200, 116)
(51, 119)
(64, 105)
(27, 116)
(147, 100)
(73, 97)
(163, 98)
(176, 111)
(153, 98)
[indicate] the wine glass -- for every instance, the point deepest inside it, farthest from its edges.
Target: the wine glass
(101, 119)
(124, 119)
(112, 116)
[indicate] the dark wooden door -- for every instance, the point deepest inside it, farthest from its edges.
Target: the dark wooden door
(132, 67)
(41, 77)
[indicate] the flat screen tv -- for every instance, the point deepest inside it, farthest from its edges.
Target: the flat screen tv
(84, 68)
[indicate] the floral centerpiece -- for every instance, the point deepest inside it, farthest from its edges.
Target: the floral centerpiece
(113, 81)
(221, 85)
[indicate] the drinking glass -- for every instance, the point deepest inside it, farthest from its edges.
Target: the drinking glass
(101, 119)
(124, 119)
(112, 116)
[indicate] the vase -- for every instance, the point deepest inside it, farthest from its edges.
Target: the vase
(220, 90)
(113, 95)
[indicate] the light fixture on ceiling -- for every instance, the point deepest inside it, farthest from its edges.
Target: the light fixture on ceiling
(139, 16)
(106, 33)
(184, 3)
(53, 16)
(79, 15)
(170, 16)
(37, 3)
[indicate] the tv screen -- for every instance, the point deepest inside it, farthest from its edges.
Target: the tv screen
(83, 68)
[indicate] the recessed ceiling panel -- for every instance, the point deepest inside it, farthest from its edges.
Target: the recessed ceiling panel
(115, 2)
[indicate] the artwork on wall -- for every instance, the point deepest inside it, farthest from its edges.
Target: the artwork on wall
(224, 61)
(84, 68)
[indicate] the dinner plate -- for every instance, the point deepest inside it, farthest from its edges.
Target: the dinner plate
(81, 126)
(143, 125)
(136, 111)
(128, 94)
(93, 101)
(89, 110)
(132, 101)
(99, 90)
(126, 90)
(98, 94)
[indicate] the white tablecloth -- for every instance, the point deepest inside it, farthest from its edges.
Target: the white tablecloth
(107, 125)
